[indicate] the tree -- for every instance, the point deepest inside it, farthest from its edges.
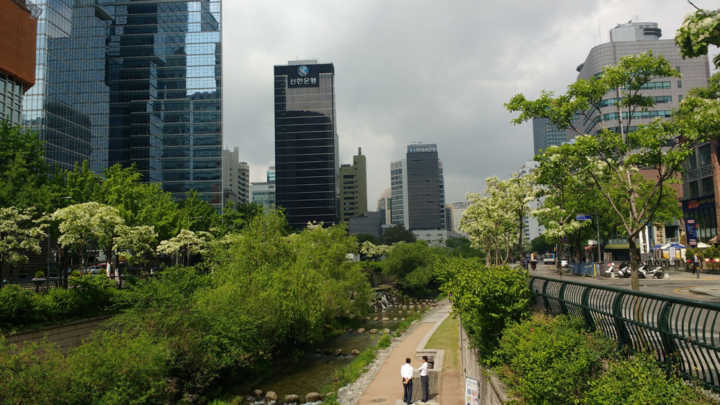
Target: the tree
(87, 226)
(186, 244)
(25, 182)
(369, 249)
(20, 234)
(236, 217)
(137, 244)
(493, 221)
(612, 159)
(541, 245)
(196, 214)
(397, 233)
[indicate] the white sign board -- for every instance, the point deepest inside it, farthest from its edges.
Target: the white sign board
(472, 392)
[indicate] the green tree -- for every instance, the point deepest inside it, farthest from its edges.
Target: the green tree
(196, 214)
(20, 235)
(397, 233)
(23, 169)
(236, 217)
(612, 160)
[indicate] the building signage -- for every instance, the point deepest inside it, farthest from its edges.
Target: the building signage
(691, 227)
(303, 77)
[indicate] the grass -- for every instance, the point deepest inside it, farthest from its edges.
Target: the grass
(446, 337)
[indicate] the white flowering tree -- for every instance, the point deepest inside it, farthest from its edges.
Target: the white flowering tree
(493, 221)
(186, 244)
(369, 249)
(20, 236)
(137, 244)
(87, 226)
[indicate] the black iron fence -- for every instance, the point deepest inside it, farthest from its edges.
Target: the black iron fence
(683, 334)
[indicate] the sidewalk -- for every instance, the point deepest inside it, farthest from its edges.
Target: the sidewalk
(709, 291)
(386, 387)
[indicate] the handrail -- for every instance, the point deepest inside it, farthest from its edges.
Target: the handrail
(684, 334)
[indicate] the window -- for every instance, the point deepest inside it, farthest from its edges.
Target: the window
(694, 191)
(707, 186)
(679, 84)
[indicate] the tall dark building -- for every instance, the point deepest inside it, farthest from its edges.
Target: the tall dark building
(306, 144)
(425, 187)
(132, 82)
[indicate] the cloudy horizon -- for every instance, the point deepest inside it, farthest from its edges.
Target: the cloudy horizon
(411, 71)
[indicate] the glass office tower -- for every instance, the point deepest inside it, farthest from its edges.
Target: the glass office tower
(306, 146)
(132, 82)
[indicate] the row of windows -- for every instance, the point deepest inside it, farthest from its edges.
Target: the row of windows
(639, 115)
(657, 99)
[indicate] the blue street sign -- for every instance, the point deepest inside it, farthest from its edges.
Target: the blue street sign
(583, 217)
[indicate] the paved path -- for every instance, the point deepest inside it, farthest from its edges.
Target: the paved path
(452, 388)
(386, 388)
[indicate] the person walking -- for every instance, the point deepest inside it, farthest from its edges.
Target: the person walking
(424, 383)
(406, 372)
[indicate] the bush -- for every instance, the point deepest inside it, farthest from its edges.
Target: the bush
(16, 305)
(550, 360)
(119, 368)
(384, 341)
(487, 298)
(34, 373)
(640, 380)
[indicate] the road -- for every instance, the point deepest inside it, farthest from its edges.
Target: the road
(680, 284)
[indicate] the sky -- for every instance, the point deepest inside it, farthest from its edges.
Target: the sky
(410, 71)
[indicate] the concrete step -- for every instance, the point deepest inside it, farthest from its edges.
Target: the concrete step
(400, 402)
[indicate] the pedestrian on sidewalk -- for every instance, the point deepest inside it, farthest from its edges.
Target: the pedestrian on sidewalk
(406, 372)
(424, 384)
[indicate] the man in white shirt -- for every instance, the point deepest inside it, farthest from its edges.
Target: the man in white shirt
(406, 372)
(424, 384)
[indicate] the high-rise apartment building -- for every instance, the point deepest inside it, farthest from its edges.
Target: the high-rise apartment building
(353, 188)
(418, 193)
(132, 83)
(306, 144)
(546, 134)
(637, 37)
(18, 27)
(236, 177)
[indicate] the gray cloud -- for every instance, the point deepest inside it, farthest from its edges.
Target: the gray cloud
(420, 70)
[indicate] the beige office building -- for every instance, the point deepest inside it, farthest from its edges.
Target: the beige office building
(353, 188)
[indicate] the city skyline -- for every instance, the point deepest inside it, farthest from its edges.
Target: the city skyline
(407, 84)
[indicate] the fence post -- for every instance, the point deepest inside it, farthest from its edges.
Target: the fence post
(545, 298)
(585, 303)
(622, 333)
(561, 298)
(669, 348)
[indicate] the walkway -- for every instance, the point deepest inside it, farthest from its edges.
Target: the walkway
(386, 387)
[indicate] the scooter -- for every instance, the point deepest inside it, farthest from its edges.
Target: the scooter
(610, 271)
(625, 270)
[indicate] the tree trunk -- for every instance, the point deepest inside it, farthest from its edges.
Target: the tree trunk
(2, 277)
(634, 260)
(715, 159)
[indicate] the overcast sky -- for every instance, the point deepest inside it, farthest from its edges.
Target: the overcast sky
(418, 71)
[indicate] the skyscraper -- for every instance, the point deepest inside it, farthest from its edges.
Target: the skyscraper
(18, 28)
(306, 144)
(546, 134)
(418, 193)
(132, 83)
(353, 188)
(236, 177)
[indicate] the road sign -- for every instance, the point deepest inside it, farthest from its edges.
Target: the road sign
(583, 217)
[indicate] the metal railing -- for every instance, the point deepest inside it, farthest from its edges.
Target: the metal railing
(683, 334)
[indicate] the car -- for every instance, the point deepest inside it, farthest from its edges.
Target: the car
(549, 258)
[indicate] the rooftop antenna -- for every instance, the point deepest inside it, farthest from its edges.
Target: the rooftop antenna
(691, 3)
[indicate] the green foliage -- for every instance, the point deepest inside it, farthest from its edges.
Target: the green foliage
(236, 217)
(20, 235)
(33, 373)
(487, 299)
(119, 368)
(541, 245)
(412, 265)
(197, 215)
(549, 360)
(395, 234)
(698, 31)
(384, 342)
(462, 247)
(25, 182)
(640, 380)
(88, 296)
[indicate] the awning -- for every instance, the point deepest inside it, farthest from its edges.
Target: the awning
(617, 246)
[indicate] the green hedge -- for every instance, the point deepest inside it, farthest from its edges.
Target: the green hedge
(87, 296)
(487, 299)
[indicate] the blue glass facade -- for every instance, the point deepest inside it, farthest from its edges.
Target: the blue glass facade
(132, 82)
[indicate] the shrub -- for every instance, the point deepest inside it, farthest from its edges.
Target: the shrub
(550, 360)
(16, 305)
(34, 373)
(487, 298)
(640, 380)
(119, 368)
(384, 341)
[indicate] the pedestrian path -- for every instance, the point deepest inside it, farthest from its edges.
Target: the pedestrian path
(386, 387)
